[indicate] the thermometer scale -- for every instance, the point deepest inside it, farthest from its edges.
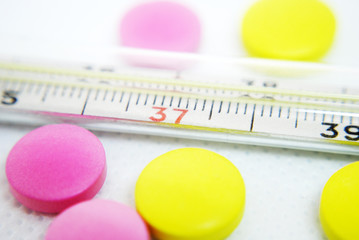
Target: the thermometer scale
(159, 102)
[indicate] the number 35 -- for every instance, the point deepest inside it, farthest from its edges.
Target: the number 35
(9, 97)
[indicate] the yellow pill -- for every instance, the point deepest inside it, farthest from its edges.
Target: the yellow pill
(288, 29)
(190, 193)
(339, 205)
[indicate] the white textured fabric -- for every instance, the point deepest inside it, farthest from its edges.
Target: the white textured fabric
(283, 187)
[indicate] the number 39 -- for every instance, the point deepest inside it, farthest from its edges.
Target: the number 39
(352, 131)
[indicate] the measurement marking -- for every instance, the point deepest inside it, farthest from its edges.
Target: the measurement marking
(314, 116)
(229, 107)
(163, 100)
(351, 120)
(249, 82)
(83, 80)
(280, 112)
(96, 95)
(252, 120)
(288, 113)
(146, 99)
(245, 109)
(341, 119)
(271, 111)
(107, 69)
(105, 95)
(332, 117)
(72, 92)
(204, 104)
(305, 116)
(80, 93)
(237, 108)
(262, 110)
(38, 88)
(55, 90)
(171, 101)
(195, 104)
(113, 96)
(128, 102)
(85, 104)
(30, 87)
(122, 93)
(45, 93)
(210, 112)
(138, 98)
(154, 100)
(179, 102)
(63, 91)
(15, 85)
(187, 103)
(21, 88)
(220, 107)
(296, 120)
(323, 120)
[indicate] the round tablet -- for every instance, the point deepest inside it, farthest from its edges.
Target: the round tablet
(190, 193)
(293, 30)
(161, 25)
(98, 219)
(339, 209)
(56, 166)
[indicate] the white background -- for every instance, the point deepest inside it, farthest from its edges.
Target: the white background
(283, 186)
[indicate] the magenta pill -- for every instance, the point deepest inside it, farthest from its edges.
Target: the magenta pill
(56, 166)
(98, 219)
(161, 25)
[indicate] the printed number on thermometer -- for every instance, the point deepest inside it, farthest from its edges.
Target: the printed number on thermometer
(160, 115)
(352, 131)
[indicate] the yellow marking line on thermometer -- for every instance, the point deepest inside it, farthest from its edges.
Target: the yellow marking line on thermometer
(171, 81)
(283, 103)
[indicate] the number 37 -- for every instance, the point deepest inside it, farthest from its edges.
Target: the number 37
(160, 115)
(352, 131)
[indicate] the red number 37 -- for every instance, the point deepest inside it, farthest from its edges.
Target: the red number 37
(161, 116)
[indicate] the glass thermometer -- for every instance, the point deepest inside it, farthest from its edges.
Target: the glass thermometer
(249, 101)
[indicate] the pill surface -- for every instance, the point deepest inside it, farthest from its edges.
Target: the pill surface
(161, 25)
(190, 193)
(293, 30)
(339, 209)
(98, 219)
(56, 166)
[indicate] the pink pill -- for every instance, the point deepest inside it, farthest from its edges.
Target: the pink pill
(161, 25)
(98, 219)
(56, 166)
